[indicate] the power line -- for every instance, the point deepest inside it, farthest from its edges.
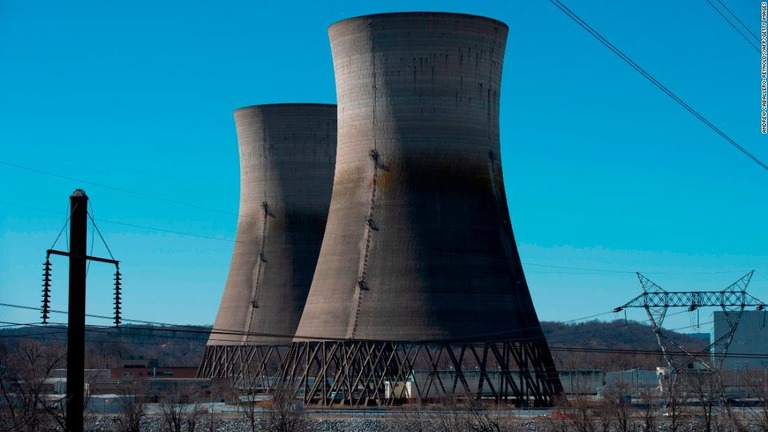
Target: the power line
(587, 317)
(633, 272)
(101, 185)
(654, 81)
(757, 38)
(626, 351)
(582, 270)
(181, 233)
(578, 268)
(176, 328)
(733, 25)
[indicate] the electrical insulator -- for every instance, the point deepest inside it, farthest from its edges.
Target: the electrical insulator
(46, 290)
(118, 297)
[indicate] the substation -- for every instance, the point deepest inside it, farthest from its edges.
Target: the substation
(375, 261)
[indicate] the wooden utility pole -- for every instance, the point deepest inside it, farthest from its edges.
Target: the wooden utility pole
(78, 230)
(78, 257)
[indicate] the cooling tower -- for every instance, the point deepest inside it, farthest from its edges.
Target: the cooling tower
(287, 156)
(419, 247)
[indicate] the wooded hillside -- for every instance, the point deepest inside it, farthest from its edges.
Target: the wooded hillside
(595, 344)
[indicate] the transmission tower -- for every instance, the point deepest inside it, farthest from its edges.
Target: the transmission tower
(656, 301)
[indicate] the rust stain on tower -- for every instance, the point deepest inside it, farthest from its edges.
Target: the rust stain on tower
(287, 156)
(419, 253)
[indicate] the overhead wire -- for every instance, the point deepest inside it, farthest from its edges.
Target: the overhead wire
(587, 317)
(181, 233)
(579, 268)
(757, 38)
(149, 228)
(64, 228)
(196, 329)
(568, 12)
(117, 189)
(586, 270)
(594, 271)
(97, 230)
(733, 25)
(89, 212)
(554, 348)
(211, 333)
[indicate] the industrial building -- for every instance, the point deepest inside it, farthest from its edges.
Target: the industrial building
(419, 269)
(748, 350)
(287, 156)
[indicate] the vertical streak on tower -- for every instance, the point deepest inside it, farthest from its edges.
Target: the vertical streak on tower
(418, 174)
(287, 156)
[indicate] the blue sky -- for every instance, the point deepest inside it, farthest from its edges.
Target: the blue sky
(605, 174)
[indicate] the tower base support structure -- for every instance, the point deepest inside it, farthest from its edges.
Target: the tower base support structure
(375, 373)
(249, 367)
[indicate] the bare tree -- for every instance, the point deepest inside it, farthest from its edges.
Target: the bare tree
(28, 393)
(451, 414)
(675, 395)
(217, 391)
(180, 406)
(480, 418)
(617, 406)
(172, 410)
(753, 417)
(132, 400)
(706, 387)
(243, 395)
(283, 414)
(576, 412)
(194, 415)
(212, 423)
(760, 388)
(648, 411)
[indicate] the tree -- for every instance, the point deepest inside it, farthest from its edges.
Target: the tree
(180, 406)
(282, 414)
(648, 411)
(28, 395)
(674, 392)
(449, 414)
(752, 417)
(133, 398)
(705, 386)
(617, 405)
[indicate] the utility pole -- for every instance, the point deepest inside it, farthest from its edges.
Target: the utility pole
(78, 257)
(78, 230)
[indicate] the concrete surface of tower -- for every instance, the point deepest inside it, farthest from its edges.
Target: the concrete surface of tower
(287, 156)
(419, 244)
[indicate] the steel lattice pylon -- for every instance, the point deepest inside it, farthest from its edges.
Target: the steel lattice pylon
(656, 301)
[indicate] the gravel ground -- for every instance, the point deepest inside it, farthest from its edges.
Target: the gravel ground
(393, 424)
(154, 424)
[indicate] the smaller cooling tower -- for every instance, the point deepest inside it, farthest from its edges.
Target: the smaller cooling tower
(287, 157)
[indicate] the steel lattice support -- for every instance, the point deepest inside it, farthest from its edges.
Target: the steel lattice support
(251, 367)
(656, 302)
(366, 373)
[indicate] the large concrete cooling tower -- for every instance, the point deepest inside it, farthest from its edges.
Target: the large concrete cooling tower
(287, 156)
(419, 246)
